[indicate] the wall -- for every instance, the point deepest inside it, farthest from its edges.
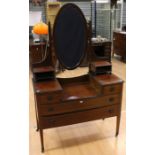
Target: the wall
(124, 15)
(41, 8)
(103, 16)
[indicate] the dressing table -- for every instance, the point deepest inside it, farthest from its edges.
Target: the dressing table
(63, 101)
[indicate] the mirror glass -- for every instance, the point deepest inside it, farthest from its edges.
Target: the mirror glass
(70, 36)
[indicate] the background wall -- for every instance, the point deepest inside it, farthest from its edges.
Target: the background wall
(118, 15)
(124, 14)
(41, 8)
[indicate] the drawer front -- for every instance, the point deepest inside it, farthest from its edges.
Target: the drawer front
(36, 53)
(49, 98)
(78, 117)
(112, 89)
(78, 105)
(37, 48)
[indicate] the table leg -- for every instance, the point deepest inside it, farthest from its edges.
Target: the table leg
(36, 118)
(37, 125)
(118, 124)
(42, 140)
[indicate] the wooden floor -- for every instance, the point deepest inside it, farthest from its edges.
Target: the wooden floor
(91, 138)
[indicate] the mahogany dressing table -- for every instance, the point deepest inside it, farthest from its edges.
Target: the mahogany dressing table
(66, 101)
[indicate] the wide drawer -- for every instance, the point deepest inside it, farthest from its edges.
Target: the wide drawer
(112, 89)
(76, 105)
(49, 98)
(78, 117)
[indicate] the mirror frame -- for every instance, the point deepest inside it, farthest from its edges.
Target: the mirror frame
(86, 36)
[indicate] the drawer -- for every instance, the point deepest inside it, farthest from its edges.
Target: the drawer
(37, 47)
(112, 89)
(36, 54)
(78, 117)
(78, 105)
(49, 98)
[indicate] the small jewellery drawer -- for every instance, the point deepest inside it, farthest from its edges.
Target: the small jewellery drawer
(78, 117)
(112, 89)
(48, 98)
(78, 105)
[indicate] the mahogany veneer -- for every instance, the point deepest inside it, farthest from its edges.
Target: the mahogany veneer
(68, 101)
(100, 67)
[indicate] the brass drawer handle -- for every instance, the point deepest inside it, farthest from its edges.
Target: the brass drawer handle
(50, 109)
(111, 99)
(49, 98)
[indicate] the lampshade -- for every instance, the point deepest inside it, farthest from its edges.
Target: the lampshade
(40, 28)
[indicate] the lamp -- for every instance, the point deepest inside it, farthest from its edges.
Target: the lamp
(41, 29)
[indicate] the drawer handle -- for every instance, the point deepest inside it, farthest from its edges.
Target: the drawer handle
(111, 111)
(51, 121)
(81, 101)
(50, 109)
(49, 98)
(37, 49)
(112, 89)
(111, 99)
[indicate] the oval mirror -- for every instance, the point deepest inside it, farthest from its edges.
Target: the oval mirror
(70, 36)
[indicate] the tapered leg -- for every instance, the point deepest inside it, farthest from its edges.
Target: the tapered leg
(37, 125)
(36, 119)
(118, 124)
(112, 53)
(42, 140)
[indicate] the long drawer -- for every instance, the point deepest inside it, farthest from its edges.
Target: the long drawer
(76, 105)
(78, 117)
